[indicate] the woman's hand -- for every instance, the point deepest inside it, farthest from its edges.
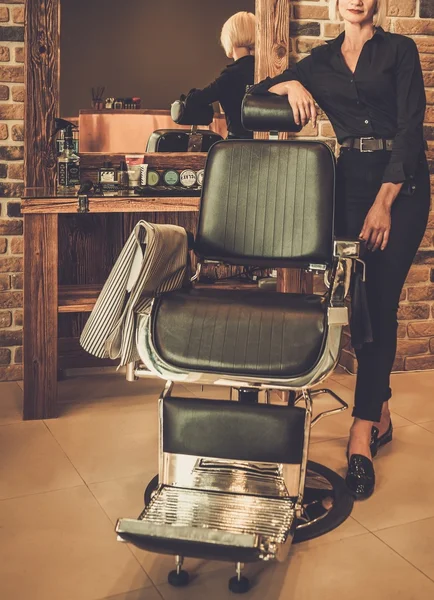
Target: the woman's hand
(376, 228)
(300, 100)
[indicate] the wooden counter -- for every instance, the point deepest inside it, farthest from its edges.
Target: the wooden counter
(45, 299)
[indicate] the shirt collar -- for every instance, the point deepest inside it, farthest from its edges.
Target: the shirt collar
(336, 43)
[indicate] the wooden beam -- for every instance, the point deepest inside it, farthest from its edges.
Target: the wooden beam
(40, 316)
(272, 37)
(271, 58)
(42, 48)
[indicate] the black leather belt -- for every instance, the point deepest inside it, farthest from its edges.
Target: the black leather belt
(367, 144)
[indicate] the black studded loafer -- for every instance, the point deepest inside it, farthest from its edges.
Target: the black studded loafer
(378, 442)
(360, 477)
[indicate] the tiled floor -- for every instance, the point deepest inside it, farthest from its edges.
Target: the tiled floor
(64, 482)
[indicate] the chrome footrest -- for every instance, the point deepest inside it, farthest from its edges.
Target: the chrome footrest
(215, 521)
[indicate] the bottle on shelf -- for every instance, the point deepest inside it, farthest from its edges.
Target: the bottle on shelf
(68, 162)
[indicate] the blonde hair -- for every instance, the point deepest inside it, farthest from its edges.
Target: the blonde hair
(239, 31)
(379, 14)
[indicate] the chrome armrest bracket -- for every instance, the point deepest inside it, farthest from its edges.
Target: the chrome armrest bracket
(347, 249)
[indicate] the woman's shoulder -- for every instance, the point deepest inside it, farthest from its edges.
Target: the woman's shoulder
(398, 40)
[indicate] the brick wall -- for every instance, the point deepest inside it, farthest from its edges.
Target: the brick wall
(11, 186)
(415, 18)
(309, 27)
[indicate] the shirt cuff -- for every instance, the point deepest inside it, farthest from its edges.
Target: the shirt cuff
(394, 173)
(261, 88)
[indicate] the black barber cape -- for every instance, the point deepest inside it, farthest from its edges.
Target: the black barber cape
(229, 89)
(383, 98)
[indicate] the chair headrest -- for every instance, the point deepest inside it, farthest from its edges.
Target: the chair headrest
(184, 112)
(267, 113)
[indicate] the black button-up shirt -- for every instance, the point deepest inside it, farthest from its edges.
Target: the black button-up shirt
(384, 98)
(229, 89)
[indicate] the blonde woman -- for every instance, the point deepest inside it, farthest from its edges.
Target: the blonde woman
(369, 83)
(238, 41)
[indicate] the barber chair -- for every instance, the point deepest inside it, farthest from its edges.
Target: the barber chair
(234, 478)
(193, 140)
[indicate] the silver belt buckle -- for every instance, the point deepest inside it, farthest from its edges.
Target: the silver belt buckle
(362, 139)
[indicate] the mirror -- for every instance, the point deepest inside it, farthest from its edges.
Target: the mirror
(140, 48)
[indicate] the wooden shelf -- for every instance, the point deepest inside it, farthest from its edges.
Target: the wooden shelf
(77, 298)
(111, 204)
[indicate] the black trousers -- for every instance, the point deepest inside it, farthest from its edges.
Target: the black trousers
(359, 178)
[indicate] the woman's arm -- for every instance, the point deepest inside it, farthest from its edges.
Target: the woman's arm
(410, 96)
(294, 83)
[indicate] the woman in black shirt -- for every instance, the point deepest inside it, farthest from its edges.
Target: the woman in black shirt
(370, 85)
(238, 40)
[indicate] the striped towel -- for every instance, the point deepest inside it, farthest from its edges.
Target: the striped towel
(153, 261)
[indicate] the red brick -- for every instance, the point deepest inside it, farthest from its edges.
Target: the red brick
(18, 15)
(18, 93)
(402, 8)
(412, 347)
(402, 330)
(427, 62)
(4, 14)
(17, 245)
(12, 74)
(310, 28)
(414, 26)
(11, 264)
(5, 318)
(428, 79)
(429, 114)
(429, 95)
(398, 364)
(19, 55)
(14, 209)
(11, 373)
(3, 131)
(424, 257)
(5, 54)
(5, 283)
(18, 318)
(18, 356)
(419, 363)
(425, 44)
(5, 356)
(13, 112)
(421, 329)
(326, 130)
(11, 337)
(11, 227)
(11, 299)
(305, 45)
(417, 294)
(3, 245)
(17, 281)
(11, 153)
(18, 133)
(311, 12)
(11, 190)
(408, 312)
(332, 30)
(4, 92)
(418, 275)
(16, 171)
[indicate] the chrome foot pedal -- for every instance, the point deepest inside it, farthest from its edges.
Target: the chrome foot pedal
(215, 525)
